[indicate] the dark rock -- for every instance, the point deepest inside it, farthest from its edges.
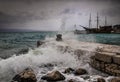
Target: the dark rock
(116, 59)
(48, 65)
(80, 71)
(68, 70)
(26, 76)
(104, 56)
(100, 80)
(85, 77)
(53, 76)
(118, 53)
(71, 80)
(115, 80)
(109, 68)
(39, 43)
(59, 37)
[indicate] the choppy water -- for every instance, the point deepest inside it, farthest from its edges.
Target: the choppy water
(15, 43)
(12, 43)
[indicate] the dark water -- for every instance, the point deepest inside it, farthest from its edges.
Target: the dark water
(15, 43)
(112, 39)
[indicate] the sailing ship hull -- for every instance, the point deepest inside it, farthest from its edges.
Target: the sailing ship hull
(101, 29)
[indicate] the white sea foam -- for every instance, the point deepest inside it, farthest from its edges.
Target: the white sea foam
(49, 53)
(35, 58)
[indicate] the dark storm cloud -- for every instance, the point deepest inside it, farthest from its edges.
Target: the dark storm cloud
(8, 22)
(19, 12)
(18, 18)
(68, 11)
(6, 18)
(112, 12)
(57, 0)
(9, 19)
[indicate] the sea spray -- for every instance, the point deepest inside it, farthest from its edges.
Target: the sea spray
(45, 54)
(50, 56)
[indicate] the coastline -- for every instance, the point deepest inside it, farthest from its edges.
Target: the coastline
(58, 55)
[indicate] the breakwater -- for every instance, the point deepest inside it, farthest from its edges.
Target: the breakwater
(107, 60)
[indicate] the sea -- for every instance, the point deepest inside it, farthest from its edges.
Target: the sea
(18, 50)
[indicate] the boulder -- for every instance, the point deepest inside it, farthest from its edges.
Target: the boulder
(71, 80)
(53, 76)
(39, 43)
(47, 65)
(80, 71)
(115, 80)
(116, 59)
(59, 37)
(85, 77)
(104, 56)
(68, 70)
(26, 76)
(100, 80)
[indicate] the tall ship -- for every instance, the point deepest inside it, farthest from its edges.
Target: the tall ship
(101, 29)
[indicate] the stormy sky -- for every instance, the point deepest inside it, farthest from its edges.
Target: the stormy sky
(54, 14)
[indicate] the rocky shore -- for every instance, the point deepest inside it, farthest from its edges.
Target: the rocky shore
(105, 58)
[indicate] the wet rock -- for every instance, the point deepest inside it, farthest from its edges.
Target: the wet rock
(104, 56)
(116, 59)
(118, 53)
(59, 37)
(53, 76)
(71, 80)
(47, 65)
(68, 70)
(39, 43)
(109, 68)
(115, 80)
(80, 71)
(100, 80)
(26, 76)
(85, 77)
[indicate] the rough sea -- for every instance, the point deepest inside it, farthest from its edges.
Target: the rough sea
(18, 51)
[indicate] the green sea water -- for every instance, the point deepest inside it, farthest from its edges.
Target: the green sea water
(15, 42)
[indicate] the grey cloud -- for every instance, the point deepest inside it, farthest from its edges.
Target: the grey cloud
(80, 13)
(32, 1)
(68, 11)
(5, 18)
(21, 17)
(59, 0)
(13, 12)
(112, 12)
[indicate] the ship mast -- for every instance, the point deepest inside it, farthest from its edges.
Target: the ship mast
(105, 21)
(97, 21)
(90, 21)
